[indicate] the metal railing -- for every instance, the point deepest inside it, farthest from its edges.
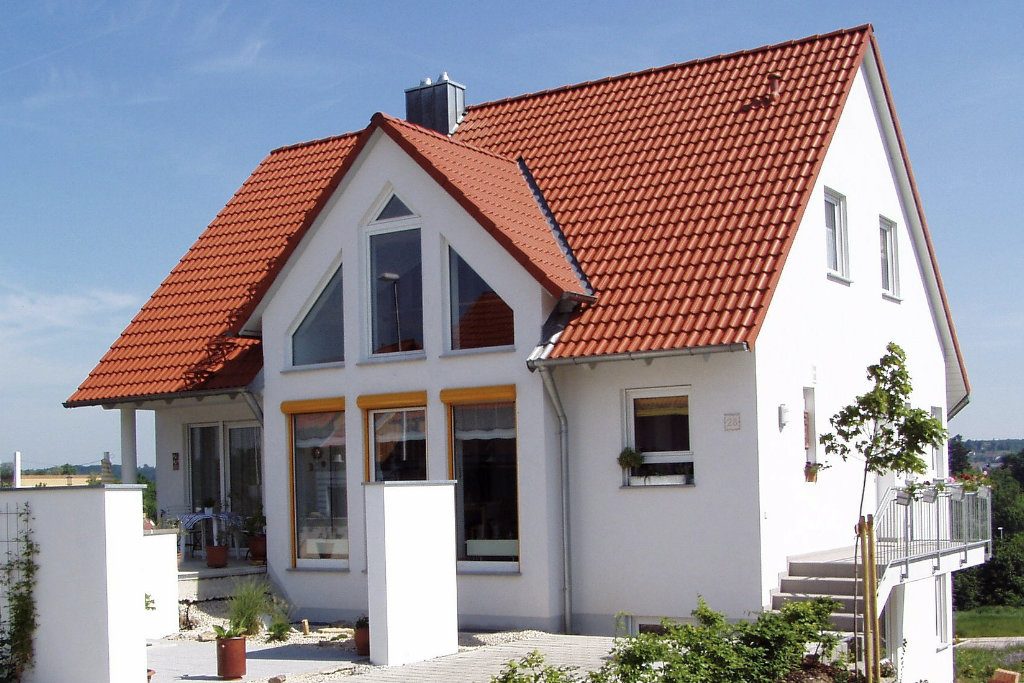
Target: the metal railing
(913, 524)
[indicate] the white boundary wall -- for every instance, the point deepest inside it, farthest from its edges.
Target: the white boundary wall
(159, 559)
(89, 593)
(410, 530)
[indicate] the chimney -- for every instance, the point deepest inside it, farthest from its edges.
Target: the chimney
(439, 106)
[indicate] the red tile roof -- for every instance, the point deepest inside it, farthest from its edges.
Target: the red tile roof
(678, 189)
(493, 190)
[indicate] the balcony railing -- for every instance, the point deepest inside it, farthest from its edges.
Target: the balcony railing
(933, 521)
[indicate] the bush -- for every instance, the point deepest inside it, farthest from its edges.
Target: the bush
(531, 669)
(247, 605)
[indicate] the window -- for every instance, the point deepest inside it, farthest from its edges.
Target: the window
(245, 469)
(399, 444)
(658, 425)
(479, 317)
(320, 337)
(942, 609)
(320, 500)
(204, 465)
(395, 208)
(483, 438)
(396, 292)
(836, 253)
(810, 432)
(890, 264)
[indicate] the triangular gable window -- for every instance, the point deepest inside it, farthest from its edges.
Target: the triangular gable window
(320, 337)
(479, 317)
(395, 208)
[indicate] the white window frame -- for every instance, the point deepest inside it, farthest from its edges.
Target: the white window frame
(223, 458)
(888, 228)
(338, 564)
(942, 610)
(380, 228)
(842, 269)
(662, 456)
(289, 350)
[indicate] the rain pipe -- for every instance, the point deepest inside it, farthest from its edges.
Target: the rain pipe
(563, 458)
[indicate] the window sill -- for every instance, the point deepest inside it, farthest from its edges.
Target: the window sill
(319, 570)
(453, 353)
(483, 568)
(316, 366)
(889, 296)
(839, 277)
(656, 485)
(394, 357)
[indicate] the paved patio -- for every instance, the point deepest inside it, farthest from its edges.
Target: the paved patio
(179, 660)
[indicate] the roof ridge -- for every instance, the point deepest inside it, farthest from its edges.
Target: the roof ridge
(676, 65)
(307, 143)
(440, 136)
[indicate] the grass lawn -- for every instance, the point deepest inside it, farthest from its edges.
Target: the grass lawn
(990, 621)
(977, 665)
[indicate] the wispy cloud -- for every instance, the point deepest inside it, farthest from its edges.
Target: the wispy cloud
(61, 85)
(35, 317)
(241, 58)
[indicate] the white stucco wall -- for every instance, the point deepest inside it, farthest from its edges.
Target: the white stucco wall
(650, 551)
(522, 598)
(89, 592)
(822, 334)
(915, 646)
(159, 570)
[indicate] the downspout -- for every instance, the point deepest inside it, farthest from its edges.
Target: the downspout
(563, 458)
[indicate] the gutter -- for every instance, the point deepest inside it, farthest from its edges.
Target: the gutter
(960, 405)
(563, 458)
(541, 363)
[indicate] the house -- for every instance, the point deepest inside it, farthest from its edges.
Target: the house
(684, 260)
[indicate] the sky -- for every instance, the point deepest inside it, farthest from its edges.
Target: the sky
(125, 127)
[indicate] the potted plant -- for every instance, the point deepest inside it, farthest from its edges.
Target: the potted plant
(630, 458)
(217, 554)
(811, 471)
(256, 535)
(230, 651)
(362, 636)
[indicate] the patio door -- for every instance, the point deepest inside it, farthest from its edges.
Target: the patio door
(225, 467)
(204, 465)
(245, 476)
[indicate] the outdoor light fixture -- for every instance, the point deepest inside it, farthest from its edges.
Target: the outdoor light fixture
(783, 416)
(393, 278)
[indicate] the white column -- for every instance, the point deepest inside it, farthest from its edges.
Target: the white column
(17, 470)
(129, 447)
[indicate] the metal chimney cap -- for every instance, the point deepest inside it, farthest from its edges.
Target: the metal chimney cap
(443, 77)
(425, 81)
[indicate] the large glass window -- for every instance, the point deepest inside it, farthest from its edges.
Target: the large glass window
(479, 317)
(204, 465)
(399, 444)
(396, 292)
(321, 508)
(659, 425)
(320, 337)
(487, 518)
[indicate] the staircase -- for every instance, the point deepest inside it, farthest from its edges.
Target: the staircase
(828, 574)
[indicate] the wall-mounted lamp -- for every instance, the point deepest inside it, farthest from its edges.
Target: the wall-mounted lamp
(783, 415)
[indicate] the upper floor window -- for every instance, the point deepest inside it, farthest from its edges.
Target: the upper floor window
(479, 317)
(320, 337)
(836, 251)
(890, 264)
(396, 291)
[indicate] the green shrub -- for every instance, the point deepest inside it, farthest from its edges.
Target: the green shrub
(531, 669)
(247, 604)
(279, 630)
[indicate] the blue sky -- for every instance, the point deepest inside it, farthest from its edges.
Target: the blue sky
(124, 127)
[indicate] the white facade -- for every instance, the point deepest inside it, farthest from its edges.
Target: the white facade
(648, 551)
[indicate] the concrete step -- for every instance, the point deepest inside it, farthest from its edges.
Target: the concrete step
(846, 601)
(818, 585)
(843, 621)
(822, 569)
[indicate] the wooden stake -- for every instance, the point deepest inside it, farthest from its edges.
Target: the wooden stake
(867, 651)
(872, 590)
(305, 627)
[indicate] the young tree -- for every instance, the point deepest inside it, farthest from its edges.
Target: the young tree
(882, 427)
(959, 462)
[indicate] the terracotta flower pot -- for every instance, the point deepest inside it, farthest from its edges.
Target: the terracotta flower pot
(231, 657)
(216, 556)
(810, 474)
(258, 548)
(362, 638)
